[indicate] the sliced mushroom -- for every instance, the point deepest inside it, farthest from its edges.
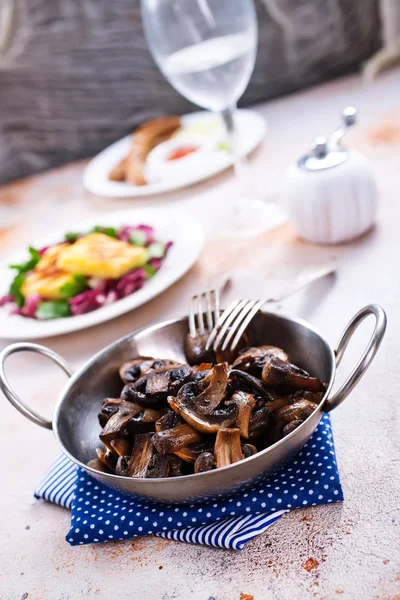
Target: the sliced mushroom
(172, 440)
(259, 423)
(132, 371)
(158, 467)
(185, 405)
(276, 372)
(176, 465)
(254, 384)
(204, 462)
(154, 387)
(208, 400)
(227, 447)
(96, 464)
(110, 407)
(168, 421)
(278, 403)
(298, 411)
(143, 421)
(121, 446)
(142, 453)
(195, 349)
(315, 397)
(191, 452)
(145, 462)
(245, 403)
(290, 427)
(202, 377)
(248, 450)
(122, 466)
(107, 458)
(253, 359)
(140, 418)
(118, 421)
(203, 367)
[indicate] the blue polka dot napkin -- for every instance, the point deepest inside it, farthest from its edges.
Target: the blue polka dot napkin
(100, 514)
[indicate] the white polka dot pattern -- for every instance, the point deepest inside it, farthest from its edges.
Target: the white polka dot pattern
(99, 514)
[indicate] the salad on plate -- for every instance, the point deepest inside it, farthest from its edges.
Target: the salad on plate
(84, 272)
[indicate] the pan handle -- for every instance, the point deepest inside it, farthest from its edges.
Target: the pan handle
(8, 390)
(368, 355)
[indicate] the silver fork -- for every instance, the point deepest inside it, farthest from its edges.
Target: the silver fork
(207, 302)
(234, 320)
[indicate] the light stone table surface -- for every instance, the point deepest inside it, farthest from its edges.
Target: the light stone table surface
(355, 545)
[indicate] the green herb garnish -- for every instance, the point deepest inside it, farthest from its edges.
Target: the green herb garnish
(15, 289)
(23, 269)
(138, 238)
(53, 310)
(72, 237)
(74, 287)
(149, 270)
(29, 264)
(110, 231)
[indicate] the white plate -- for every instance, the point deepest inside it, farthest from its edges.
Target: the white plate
(251, 128)
(186, 233)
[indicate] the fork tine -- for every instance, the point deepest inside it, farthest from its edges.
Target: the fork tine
(192, 323)
(209, 302)
(220, 322)
(231, 317)
(237, 322)
(200, 318)
(217, 311)
(245, 323)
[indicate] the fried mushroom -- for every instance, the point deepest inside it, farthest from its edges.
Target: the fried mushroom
(185, 405)
(195, 349)
(145, 461)
(154, 387)
(252, 359)
(172, 440)
(132, 370)
(204, 462)
(245, 403)
(276, 371)
(227, 447)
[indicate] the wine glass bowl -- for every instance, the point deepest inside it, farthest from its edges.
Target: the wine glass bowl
(206, 49)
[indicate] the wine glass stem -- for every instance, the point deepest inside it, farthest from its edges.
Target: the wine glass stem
(240, 162)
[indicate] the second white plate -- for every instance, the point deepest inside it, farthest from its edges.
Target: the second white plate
(251, 129)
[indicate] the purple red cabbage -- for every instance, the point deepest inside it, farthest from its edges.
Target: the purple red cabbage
(131, 282)
(125, 233)
(84, 302)
(30, 306)
(156, 263)
(7, 299)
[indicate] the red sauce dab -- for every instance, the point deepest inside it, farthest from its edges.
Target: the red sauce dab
(181, 152)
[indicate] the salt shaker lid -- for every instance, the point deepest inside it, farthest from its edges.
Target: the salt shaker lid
(328, 153)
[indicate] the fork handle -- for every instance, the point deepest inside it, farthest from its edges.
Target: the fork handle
(304, 283)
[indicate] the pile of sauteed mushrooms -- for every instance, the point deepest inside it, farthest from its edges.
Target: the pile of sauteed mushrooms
(174, 419)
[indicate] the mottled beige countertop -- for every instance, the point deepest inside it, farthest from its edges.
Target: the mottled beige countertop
(354, 547)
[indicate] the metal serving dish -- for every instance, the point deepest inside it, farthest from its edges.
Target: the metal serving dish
(76, 427)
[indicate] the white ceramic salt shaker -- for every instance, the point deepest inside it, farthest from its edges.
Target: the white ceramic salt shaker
(330, 193)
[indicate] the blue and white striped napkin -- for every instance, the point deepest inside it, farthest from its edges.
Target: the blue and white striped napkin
(100, 514)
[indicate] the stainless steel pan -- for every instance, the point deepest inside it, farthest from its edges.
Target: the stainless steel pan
(76, 427)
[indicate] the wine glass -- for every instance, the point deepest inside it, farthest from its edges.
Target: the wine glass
(207, 49)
